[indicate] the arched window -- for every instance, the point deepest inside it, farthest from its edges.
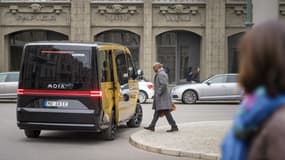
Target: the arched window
(232, 52)
(126, 38)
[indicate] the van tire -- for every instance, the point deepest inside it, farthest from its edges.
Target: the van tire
(136, 120)
(110, 133)
(32, 133)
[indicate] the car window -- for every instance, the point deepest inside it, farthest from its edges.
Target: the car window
(218, 79)
(13, 77)
(3, 77)
(125, 86)
(231, 78)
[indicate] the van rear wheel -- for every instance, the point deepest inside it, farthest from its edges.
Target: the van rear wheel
(110, 133)
(137, 118)
(32, 133)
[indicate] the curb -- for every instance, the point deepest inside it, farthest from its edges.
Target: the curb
(172, 152)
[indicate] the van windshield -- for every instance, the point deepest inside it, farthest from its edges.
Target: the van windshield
(56, 67)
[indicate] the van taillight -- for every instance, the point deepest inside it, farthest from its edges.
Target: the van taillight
(95, 93)
(57, 52)
(59, 93)
(20, 91)
(149, 86)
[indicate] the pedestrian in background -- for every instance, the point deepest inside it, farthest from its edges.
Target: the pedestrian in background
(258, 131)
(162, 100)
(189, 74)
(195, 75)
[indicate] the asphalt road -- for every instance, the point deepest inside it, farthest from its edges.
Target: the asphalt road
(56, 145)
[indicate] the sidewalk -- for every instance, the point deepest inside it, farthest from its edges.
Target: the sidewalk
(198, 140)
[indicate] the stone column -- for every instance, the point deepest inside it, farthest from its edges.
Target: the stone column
(215, 38)
(80, 21)
(148, 56)
(2, 52)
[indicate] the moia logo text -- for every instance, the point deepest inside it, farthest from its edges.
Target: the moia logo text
(56, 86)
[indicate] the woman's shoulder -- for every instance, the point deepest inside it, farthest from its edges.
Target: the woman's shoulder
(278, 115)
(274, 127)
(268, 143)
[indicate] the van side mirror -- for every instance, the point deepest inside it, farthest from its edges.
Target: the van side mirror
(139, 74)
(132, 73)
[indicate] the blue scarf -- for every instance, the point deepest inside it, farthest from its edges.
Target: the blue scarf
(255, 109)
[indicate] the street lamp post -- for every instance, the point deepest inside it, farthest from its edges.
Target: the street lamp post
(248, 21)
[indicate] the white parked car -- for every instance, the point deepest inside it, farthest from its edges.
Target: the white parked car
(9, 85)
(217, 87)
(145, 90)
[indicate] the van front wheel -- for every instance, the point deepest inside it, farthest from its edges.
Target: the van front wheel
(137, 118)
(110, 133)
(32, 133)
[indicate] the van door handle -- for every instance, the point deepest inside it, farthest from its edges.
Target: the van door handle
(113, 88)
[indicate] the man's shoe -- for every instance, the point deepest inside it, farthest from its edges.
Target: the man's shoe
(149, 128)
(173, 129)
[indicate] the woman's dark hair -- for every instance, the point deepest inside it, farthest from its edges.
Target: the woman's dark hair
(262, 58)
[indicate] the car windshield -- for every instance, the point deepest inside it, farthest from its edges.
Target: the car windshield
(205, 80)
(56, 67)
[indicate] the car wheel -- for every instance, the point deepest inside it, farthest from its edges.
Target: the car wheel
(137, 118)
(189, 97)
(110, 133)
(32, 133)
(142, 96)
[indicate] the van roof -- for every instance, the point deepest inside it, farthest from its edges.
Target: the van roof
(87, 44)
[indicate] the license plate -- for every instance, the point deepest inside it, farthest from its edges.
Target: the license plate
(56, 104)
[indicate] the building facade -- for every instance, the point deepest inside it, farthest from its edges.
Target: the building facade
(181, 34)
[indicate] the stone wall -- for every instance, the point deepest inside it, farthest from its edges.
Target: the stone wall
(81, 20)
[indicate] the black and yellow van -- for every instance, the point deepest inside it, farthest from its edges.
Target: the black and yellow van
(78, 87)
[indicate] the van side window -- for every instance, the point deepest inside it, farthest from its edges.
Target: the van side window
(110, 64)
(131, 68)
(103, 63)
(122, 68)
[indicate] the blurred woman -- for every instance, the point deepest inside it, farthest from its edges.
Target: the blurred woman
(258, 131)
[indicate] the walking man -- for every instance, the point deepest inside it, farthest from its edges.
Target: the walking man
(162, 99)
